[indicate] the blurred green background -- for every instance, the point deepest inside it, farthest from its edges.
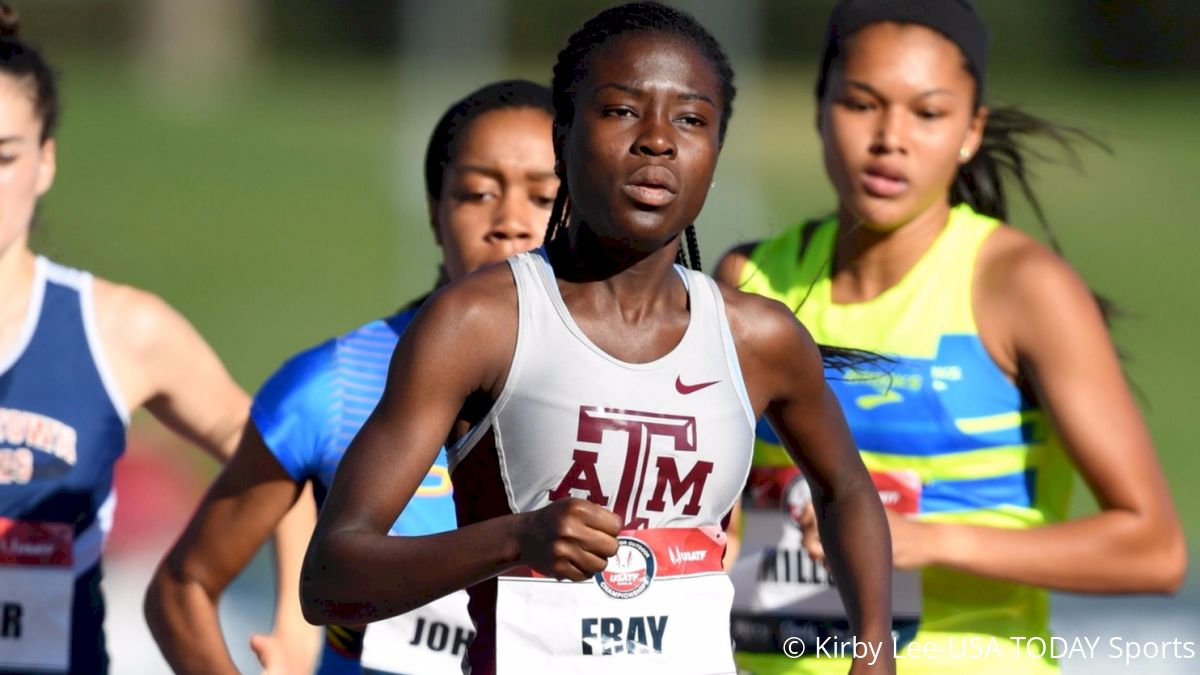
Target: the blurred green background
(258, 163)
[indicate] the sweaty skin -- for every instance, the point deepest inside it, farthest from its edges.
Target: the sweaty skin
(640, 156)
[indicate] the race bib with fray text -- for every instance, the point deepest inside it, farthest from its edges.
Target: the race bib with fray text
(660, 606)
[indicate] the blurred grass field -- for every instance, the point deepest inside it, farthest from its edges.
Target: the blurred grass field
(291, 209)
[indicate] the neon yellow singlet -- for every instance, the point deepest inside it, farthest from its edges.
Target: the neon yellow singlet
(985, 454)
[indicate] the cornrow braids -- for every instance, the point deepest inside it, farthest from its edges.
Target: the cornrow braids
(561, 211)
(693, 248)
(635, 17)
(572, 66)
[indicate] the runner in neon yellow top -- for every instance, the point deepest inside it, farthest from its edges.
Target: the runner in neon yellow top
(1001, 380)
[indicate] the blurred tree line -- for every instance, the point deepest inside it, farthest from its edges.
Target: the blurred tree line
(1134, 34)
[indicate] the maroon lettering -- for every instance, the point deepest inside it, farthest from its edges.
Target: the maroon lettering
(582, 476)
(640, 429)
(668, 479)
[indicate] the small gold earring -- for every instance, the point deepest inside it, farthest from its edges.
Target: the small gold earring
(964, 154)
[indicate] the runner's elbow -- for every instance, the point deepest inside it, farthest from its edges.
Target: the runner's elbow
(320, 609)
(314, 611)
(152, 602)
(165, 599)
(321, 591)
(1160, 564)
(1172, 564)
(315, 601)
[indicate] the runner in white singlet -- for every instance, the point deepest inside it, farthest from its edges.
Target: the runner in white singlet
(598, 404)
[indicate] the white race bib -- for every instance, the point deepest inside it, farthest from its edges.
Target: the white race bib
(37, 587)
(782, 592)
(661, 606)
(431, 639)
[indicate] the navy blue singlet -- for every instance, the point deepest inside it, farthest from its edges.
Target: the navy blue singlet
(62, 428)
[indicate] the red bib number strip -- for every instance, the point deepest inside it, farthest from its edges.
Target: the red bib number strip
(37, 585)
(661, 605)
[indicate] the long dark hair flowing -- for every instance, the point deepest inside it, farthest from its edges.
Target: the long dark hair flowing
(1003, 161)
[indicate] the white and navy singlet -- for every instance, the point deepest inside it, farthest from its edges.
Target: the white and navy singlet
(666, 445)
(62, 428)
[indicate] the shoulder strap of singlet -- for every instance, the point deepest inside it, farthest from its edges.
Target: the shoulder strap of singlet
(83, 284)
(789, 266)
(703, 286)
(525, 277)
(948, 269)
(33, 316)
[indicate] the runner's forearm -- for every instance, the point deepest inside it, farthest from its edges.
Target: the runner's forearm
(354, 577)
(183, 620)
(858, 547)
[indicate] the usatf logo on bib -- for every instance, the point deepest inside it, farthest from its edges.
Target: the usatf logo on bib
(629, 572)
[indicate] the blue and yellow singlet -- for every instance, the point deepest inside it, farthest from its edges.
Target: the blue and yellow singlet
(941, 411)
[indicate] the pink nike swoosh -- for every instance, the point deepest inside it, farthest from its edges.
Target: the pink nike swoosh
(686, 389)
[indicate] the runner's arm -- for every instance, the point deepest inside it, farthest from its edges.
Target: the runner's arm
(162, 362)
(293, 644)
(244, 504)
(785, 376)
(852, 522)
(1135, 543)
(460, 343)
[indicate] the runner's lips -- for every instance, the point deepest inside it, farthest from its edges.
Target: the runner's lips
(885, 182)
(652, 186)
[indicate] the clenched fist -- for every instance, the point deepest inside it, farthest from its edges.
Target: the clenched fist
(569, 539)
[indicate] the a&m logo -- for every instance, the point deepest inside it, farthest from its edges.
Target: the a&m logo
(655, 477)
(629, 572)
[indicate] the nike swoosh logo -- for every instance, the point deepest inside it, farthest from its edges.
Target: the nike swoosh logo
(686, 389)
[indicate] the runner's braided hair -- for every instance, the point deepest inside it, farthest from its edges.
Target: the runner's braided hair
(572, 67)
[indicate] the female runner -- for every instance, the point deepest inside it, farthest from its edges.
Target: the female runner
(1000, 379)
(600, 404)
(490, 183)
(77, 356)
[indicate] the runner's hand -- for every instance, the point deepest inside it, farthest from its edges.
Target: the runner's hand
(569, 539)
(276, 658)
(810, 538)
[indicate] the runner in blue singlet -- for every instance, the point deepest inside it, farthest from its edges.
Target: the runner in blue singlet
(78, 354)
(490, 182)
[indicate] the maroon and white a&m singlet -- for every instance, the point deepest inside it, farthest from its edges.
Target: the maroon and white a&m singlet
(666, 445)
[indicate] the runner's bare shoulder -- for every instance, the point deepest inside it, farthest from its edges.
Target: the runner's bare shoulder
(472, 322)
